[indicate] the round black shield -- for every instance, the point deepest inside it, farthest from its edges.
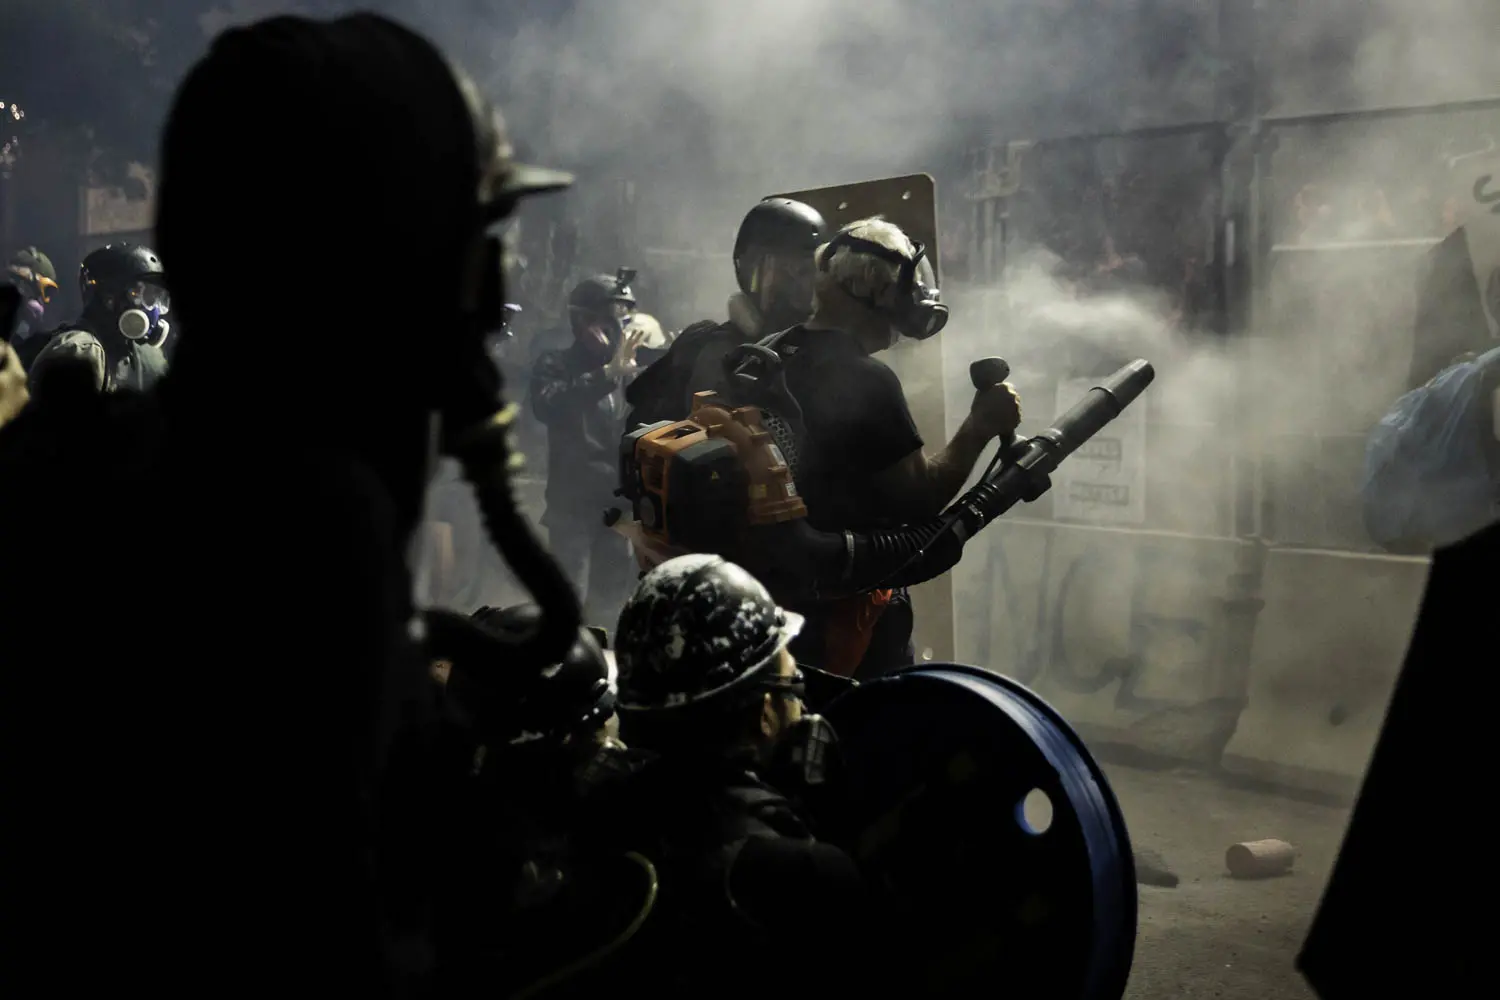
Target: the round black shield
(1000, 848)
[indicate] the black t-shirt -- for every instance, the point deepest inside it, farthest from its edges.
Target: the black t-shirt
(857, 422)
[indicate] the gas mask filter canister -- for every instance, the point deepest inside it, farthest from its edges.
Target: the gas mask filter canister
(137, 324)
(134, 324)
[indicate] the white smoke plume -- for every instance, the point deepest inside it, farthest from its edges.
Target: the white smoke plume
(705, 106)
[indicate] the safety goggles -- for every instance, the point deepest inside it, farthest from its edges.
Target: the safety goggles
(793, 684)
(149, 295)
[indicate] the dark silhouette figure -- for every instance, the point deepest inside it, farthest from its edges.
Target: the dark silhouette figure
(205, 607)
(1383, 921)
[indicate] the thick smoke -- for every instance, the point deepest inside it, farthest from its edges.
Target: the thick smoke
(711, 106)
(1357, 53)
(706, 107)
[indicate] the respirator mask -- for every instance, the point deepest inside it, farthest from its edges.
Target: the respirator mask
(805, 764)
(35, 292)
(473, 426)
(143, 321)
(918, 311)
(472, 422)
(600, 333)
(32, 286)
(599, 309)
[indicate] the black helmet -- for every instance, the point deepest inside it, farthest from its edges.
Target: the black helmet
(576, 695)
(778, 225)
(601, 294)
(698, 628)
(112, 269)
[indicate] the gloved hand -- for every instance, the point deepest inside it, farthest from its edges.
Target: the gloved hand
(996, 411)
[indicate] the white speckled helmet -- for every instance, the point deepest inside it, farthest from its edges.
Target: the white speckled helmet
(698, 628)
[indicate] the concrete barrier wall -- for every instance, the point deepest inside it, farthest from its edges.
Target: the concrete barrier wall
(1324, 661)
(1272, 664)
(1123, 631)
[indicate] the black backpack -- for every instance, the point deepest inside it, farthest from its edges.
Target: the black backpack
(694, 362)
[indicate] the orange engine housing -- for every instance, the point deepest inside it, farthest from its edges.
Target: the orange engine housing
(698, 483)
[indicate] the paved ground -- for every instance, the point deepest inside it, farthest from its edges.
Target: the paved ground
(1213, 936)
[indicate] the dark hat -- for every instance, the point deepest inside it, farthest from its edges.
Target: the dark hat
(697, 629)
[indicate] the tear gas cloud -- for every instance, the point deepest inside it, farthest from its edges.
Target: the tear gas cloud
(708, 106)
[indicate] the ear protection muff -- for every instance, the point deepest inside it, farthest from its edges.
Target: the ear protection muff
(918, 311)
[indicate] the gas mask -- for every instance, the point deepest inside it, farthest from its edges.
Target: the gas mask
(805, 759)
(598, 310)
(35, 292)
(32, 312)
(33, 286)
(143, 321)
(918, 312)
(599, 335)
(473, 426)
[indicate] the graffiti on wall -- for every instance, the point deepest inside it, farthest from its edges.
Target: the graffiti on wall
(1119, 630)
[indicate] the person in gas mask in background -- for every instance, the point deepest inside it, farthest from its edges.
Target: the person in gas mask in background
(120, 334)
(707, 686)
(536, 750)
(31, 273)
(258, 802)
(577, 394)
(862, 464)
(773, 264)
(13, 393)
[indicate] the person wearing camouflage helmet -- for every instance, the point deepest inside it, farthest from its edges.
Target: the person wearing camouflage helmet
(290, 442)
(33, 275)
(706, 684)
(702, 636)
(576, 395)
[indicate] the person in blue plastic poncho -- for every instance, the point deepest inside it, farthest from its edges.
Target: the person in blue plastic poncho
(1432, 464)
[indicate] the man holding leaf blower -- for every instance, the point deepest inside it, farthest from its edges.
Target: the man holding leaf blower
(868, 467)
(857, 458)
(805, 466)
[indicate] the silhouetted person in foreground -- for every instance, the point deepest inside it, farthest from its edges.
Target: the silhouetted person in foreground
(1392, 921)
(207, 641)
